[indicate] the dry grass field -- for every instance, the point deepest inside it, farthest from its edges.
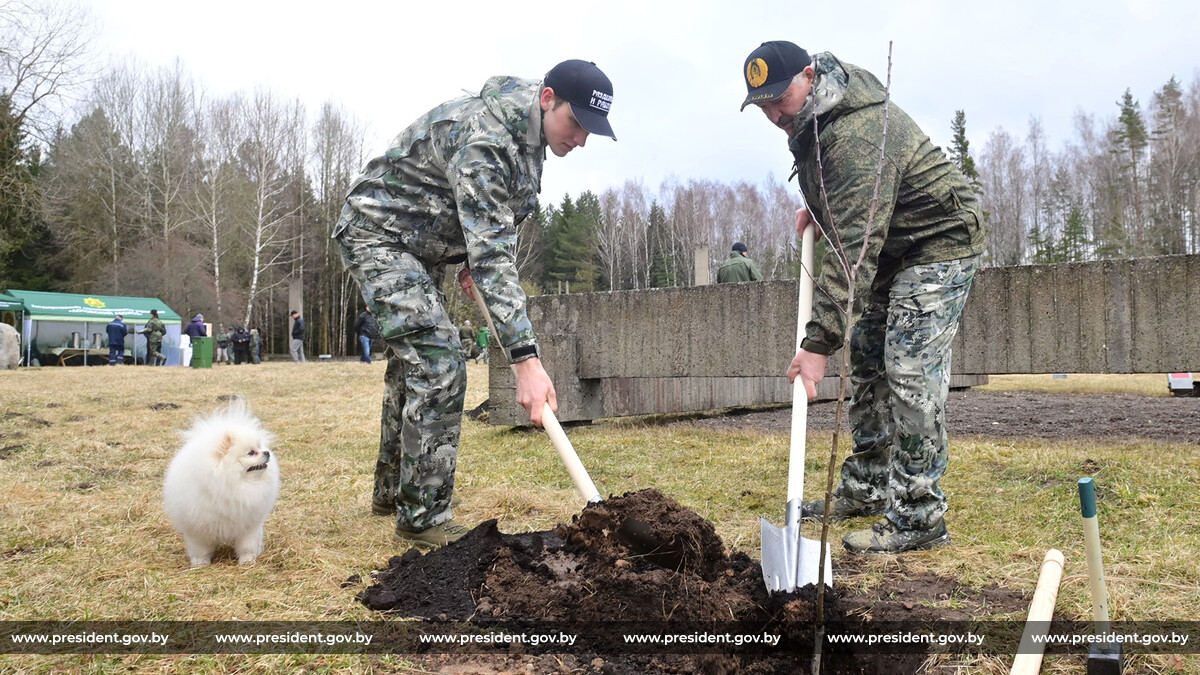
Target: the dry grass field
(83, 537)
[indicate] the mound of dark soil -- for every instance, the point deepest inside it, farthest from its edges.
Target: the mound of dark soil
(643, 558)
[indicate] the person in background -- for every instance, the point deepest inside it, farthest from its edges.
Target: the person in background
(240, 339)
(154, 330)
(255, 347)
(117, 330)
(481, 341)
(222, 339)
(297, 337)
(367, 329)
(466, 336)
(739, 267)
(196, 327)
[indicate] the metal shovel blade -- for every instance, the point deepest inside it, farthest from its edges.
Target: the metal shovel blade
(789, 561)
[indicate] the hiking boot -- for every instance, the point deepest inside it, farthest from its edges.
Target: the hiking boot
(885, 537)
(389, 508)
(438, 535)
(843, 508)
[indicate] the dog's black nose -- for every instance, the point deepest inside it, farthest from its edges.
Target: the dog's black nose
(267, 455)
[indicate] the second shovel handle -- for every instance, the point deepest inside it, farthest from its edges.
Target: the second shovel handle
(795, 485)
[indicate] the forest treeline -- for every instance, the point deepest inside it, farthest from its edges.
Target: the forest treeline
(151, 186)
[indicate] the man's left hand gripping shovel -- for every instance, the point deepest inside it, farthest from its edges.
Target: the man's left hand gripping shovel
(789, 561)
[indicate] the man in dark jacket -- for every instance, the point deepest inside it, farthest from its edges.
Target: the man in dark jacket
(922, 247)
(196, 327)
(240, 339)
(367, 329)
(739, 267)
(116, 340)
(297, 337)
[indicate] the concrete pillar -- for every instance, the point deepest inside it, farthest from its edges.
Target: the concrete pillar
(700, 266)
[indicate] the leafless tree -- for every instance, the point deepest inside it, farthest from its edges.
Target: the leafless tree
(44, 50)
(219, 125)
(264, 163)
(1004, 182)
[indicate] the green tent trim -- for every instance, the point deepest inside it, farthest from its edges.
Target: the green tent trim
(42, 306)
(9, 303)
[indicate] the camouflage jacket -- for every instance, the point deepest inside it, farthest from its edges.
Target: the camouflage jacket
(738, 268)
(927, 212)
(455, 184)
(154, 328)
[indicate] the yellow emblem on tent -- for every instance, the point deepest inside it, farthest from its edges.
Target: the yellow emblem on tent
(93, 302)
(756, 72)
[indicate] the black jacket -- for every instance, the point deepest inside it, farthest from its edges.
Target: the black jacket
(240, 339)
(298, 329)
(366, 324)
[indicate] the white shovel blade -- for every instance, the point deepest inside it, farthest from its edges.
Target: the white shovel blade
(790, 561)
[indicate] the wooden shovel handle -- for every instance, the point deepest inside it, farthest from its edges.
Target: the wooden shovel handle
(566, 451)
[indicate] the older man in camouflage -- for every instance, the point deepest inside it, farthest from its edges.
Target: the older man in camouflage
(452, 189)
(921, 255)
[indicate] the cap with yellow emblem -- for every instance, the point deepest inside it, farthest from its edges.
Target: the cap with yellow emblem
(770, 69)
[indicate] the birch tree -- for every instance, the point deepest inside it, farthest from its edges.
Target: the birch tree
(262, 158)
(219, 125)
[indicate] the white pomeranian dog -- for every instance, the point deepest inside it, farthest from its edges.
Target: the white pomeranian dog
(222, 484)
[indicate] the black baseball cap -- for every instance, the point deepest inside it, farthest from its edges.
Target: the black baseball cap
(739, 246)
(770, 69)
(589, 92)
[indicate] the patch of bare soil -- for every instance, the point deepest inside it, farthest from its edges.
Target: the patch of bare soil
(643, 562)
(1013, 415)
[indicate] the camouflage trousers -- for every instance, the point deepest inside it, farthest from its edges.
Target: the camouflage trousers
(900, 378)
(153, 353)
(426, 378)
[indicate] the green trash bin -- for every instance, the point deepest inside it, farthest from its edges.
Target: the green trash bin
(202, 352)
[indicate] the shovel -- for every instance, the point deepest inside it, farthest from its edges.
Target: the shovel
(583, 482)
(637, 534)
(789, 561)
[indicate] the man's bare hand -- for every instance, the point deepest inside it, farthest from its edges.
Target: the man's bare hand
(803, 220)
(466, 282)
(534, 389)
(811, 368)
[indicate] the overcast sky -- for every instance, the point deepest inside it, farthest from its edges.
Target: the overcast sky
(675, 66)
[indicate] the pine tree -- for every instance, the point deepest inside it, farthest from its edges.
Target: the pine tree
(1074, 237)
(26, 245)
(571, 243)
(663, 272)
(1132, 139)
(960, 151)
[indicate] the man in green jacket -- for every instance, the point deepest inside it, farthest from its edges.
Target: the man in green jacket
(922, 248)
(739, 267)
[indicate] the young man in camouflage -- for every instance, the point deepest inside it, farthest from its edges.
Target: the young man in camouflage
(452, 189)
(921, 255)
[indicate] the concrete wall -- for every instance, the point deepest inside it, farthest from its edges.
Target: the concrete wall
(700, 348)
